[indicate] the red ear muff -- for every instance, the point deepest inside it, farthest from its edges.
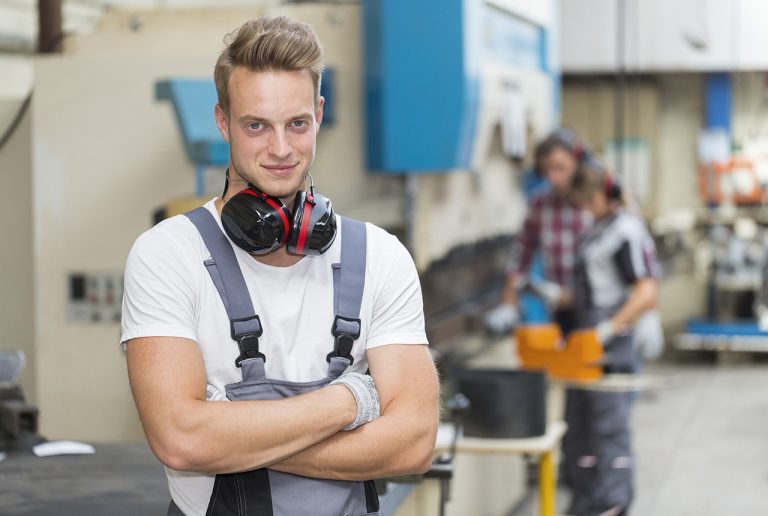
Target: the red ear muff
(314, 225)
(259, 223)
(578, 152)
(303, 223)
(256, 222)
(612, 188)
(280, 208)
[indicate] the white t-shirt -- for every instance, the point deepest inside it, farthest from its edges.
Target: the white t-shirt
(168, 292)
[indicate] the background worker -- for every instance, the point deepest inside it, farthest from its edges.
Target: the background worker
(616, 282)
(552, 227)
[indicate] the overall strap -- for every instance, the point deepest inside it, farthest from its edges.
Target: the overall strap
(244, 325)
(348, 286)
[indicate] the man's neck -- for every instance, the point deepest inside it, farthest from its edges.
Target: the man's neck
(277, 258)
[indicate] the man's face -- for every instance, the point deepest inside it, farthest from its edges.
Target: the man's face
(558, 167)
(272, 129)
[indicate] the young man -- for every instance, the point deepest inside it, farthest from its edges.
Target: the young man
(280, 334)
(553, 227)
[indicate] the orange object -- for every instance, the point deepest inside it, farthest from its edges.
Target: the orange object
(542, 347)
(735, 180)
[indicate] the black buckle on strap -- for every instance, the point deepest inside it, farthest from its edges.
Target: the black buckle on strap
(248, 342)
(346, 331)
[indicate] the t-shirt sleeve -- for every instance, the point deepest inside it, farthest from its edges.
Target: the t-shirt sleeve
(398, 310)
(636, 256)
(159, 296)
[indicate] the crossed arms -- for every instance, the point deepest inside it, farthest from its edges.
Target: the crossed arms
(300, 435)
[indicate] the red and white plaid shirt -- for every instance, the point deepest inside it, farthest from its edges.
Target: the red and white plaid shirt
(553, 226)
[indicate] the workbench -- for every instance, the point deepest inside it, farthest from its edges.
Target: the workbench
(118, 480)
(543, 448)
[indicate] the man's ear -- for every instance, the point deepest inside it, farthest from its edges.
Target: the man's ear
(222, 122)
(319, 111)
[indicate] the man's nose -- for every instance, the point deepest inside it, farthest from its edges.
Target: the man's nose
(279, 146)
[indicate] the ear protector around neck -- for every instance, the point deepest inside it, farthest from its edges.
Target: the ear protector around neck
(259, 223)
(613, 188)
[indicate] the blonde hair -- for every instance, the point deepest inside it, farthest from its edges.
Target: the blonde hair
(269, 44)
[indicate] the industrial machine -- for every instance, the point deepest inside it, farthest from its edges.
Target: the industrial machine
(18, 419)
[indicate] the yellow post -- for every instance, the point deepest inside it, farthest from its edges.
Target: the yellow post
(547, 484)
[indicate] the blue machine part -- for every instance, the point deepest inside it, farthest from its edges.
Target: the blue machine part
(423, 62)
(533, 183)
(746, 328)
(534, 310)
(711, 335)
(718, 101)
(193, 101)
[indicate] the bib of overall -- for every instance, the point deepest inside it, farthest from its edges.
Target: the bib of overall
(263, 492)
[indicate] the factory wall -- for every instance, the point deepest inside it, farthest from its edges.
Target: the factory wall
(589, 107)
(17, 326)
(93, 197)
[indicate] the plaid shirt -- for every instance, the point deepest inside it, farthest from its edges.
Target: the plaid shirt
(553, 226)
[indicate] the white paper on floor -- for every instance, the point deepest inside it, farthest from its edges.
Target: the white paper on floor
(63, 448)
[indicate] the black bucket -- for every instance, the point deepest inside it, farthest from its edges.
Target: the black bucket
(505, 404)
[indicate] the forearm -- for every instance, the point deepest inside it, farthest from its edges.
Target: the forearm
(641, 299)
(509, 292)
(223, 437)
(401, 441)
(389, 446)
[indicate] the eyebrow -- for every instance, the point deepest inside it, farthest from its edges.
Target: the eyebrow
(253, 118)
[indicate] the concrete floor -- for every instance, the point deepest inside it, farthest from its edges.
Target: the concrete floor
(701, 443)
(702, 446)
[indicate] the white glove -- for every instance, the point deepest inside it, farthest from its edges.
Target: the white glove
(214, 394)
(649, 335)
(502, 319)
(605, 332)
(548, 290)
(366, 396)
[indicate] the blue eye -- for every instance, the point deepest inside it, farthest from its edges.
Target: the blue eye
(299, 123)
(255, 126)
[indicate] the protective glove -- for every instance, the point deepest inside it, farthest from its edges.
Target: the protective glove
(605, 332)
(366, 396)
(649, 335)
(549, 291)
(502, 319)
(214, 394)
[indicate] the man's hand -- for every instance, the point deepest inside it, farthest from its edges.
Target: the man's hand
(605, 331)
(502, 319)
(565, 300)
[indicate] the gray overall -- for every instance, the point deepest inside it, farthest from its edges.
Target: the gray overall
(613, 255)
(263, 492)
